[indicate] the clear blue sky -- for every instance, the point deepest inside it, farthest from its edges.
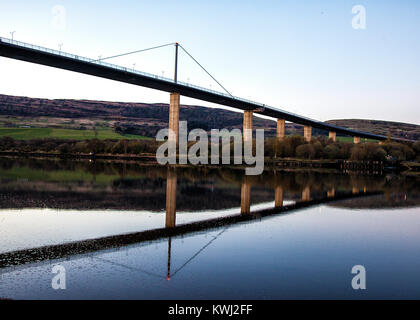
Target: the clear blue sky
(303, 56)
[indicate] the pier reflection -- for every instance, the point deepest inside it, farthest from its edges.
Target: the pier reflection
(245, 195)
(278, 196)
(171, 182)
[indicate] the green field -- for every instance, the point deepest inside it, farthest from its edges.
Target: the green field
(57, 133)
(350, 139)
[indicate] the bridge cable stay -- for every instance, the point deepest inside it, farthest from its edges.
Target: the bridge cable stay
(132, 52)
(130, 267)
(169, 274)
(204, 69)
(161, 46)
(199, 251)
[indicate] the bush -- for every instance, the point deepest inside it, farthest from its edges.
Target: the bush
(7, 143)
(96, 146)
(306, 151)
(64, 148)
(399, 151)
(332, 151)
(368, 151)
(120, 147)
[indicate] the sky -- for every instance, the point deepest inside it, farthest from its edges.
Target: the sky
(307, 57)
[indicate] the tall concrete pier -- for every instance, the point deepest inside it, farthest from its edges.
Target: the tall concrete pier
(247, 127)
(174, 117)
(281, 128)
(307, 133)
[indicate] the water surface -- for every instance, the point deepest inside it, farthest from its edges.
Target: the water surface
(204, 233)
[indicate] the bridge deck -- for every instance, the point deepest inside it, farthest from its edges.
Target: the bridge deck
(58, 59)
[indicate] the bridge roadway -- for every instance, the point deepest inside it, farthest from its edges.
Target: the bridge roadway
(58, 59)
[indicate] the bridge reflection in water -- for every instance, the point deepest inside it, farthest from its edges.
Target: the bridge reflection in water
(288, 193)
(170, 230)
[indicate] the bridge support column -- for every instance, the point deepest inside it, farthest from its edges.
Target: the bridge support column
(331, 193)
(306, 194)
(247, 127)
(171, 180)
(356, 140)
(174, 117)
(278, 197)
(333, 136)
(245, 197)
(307, 133)
(281, 128)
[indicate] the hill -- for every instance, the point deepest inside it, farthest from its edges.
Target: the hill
(395, 129)
(85, 119)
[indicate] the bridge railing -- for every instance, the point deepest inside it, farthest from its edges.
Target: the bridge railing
(134, 71)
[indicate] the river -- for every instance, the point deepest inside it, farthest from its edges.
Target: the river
(123, 230)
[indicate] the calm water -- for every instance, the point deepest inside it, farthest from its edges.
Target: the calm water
(127, 231)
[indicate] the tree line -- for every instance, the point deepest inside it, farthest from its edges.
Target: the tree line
(288, 147)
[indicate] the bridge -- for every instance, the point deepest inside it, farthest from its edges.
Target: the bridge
(97, 67)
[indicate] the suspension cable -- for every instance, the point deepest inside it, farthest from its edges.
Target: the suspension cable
(137, 51)
(204, 69)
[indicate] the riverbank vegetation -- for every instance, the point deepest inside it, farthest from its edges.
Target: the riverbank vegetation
(289, 147)
(322, 148)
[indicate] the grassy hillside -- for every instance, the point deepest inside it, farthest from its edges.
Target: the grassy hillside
(57, 133)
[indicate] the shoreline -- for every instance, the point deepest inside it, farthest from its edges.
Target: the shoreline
(366, 167)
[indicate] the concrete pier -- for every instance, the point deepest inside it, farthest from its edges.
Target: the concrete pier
(307, 133)
(174, 117)
(331, 193)
(356, 140)
(247, 126)
(281, 128)
(333, 136)
(245, 197)
(171, 180)
(278, 197)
